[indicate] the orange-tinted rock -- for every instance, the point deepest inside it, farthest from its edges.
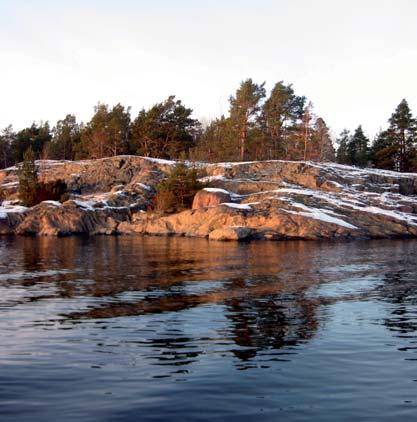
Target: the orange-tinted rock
(210, 197)
(279, 200)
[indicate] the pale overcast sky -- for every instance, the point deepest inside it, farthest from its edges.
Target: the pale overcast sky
(355, 60)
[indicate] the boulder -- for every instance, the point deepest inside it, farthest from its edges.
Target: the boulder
(209, 197)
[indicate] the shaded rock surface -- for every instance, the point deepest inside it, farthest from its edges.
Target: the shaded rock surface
(262, 200)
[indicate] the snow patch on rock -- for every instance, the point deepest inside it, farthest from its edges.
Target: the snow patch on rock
(237, 206)
(218, 190)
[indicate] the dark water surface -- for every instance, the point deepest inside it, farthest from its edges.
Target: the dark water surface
(157, 329)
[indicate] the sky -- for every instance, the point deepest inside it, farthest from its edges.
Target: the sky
(355, 60)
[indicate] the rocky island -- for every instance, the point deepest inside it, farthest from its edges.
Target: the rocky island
(271, 200)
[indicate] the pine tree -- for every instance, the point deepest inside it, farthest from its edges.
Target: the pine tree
(306, 129)
(28, 179)
(166, 130)
(118, 128)
(6, 141)
(281, 113)
(403, 128)
(395, 147)
(37, 136)
(65, 136)
(216, 143)
(244, 111)
(322, 142)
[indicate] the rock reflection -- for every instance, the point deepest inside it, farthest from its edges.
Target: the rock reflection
(264, 288)
(257, 283)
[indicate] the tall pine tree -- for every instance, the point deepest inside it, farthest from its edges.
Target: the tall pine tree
(395, 148)
(281, 113)
(244, 111)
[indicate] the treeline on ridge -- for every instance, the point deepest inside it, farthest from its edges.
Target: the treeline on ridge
(259, 126)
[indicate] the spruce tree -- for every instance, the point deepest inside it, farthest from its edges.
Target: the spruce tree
(342, 156)
(28, 179)
(358, 148)
(384, 151)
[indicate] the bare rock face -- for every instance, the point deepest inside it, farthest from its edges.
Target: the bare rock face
(209, 197)
(231, 233)
(56, 219)
(271, 200)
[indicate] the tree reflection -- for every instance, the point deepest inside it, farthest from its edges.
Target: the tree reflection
(263, 292)
(273, 321)
(399, 288)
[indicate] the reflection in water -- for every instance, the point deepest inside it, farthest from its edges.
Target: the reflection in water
(174, 308)
(262, 293)
(262, 285)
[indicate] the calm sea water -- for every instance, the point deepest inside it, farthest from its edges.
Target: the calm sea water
(173, 329)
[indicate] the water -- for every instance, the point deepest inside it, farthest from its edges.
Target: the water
(162, 329)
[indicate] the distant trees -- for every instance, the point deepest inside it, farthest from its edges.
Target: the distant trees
(66, 136)
(260, 125)
(353, 149)
(394, 148)
(217, 142)
(36, 137)
(358, 148)
(107, 133)
(280, 126)
(6, 141)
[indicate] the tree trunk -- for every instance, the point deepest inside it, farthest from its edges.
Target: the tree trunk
(402, 151)
(243, 135)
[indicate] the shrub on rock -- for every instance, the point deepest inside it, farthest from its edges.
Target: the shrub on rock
(28, 179)
(31, 190)
(176, 192)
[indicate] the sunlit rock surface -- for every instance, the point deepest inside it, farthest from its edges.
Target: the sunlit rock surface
(270, 199)
(210, 197)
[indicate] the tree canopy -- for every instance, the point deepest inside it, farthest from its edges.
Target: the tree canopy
(260, 125)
